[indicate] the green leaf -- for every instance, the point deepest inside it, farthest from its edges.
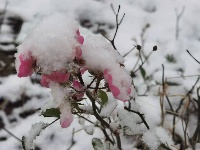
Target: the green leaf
(53, 112)
(97, 144)
(103, 96)
(143, 72)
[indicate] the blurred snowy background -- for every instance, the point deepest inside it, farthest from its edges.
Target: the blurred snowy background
(172, 25)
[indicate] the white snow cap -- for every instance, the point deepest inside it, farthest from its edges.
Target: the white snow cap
(100, 56)
(51, 42)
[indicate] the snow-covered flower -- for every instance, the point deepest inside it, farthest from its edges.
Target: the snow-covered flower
(57, 76)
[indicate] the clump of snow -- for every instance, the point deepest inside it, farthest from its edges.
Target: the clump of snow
(87, 108)
(164, 136)
(154, 137)
(89, 129)
(150, 107)
(51, 43)
(131, 122)
(35, 131)
(96, 46)
(151, 139)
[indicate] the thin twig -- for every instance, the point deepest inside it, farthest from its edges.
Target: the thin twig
(192, 56)
(12, 134)
(95, 111)
(107, 137)
(133, 72)
(139, 114)
(118, 22)
(72, 140)
(178, 17)
(180, 104)
(129, 51)
(87, 120)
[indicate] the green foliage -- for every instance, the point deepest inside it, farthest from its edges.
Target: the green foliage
(143, 72)
(103, 96)
(53, 112)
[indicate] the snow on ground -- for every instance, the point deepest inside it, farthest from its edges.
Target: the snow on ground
(160, 19)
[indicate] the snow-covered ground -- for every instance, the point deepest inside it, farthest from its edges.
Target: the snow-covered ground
(172, 25)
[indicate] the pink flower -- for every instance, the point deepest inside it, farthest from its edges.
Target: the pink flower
(26, 66)
(115, 90)
(57, 76)
(80, 38)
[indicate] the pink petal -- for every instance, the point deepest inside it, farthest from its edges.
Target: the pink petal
(77, 85)
(45, 81)
(26, 66)
(62, 77)
(66, 116)
(66, 121)
(115, 90)
(107, 77)
(80, 38)
(58, 76)
(129, 91)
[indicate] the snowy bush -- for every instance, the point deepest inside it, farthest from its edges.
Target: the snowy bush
(87, 76)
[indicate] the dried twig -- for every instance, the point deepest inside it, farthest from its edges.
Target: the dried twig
(73, 142)
(12, 134)
(178, 17)
(118, 22)
(193, 56)
(139, 114)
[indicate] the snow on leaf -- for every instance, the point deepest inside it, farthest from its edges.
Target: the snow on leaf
(89, 129)
(27, 141)
(97, 144)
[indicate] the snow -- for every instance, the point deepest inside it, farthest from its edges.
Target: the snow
(161, 16)
(151, 139)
